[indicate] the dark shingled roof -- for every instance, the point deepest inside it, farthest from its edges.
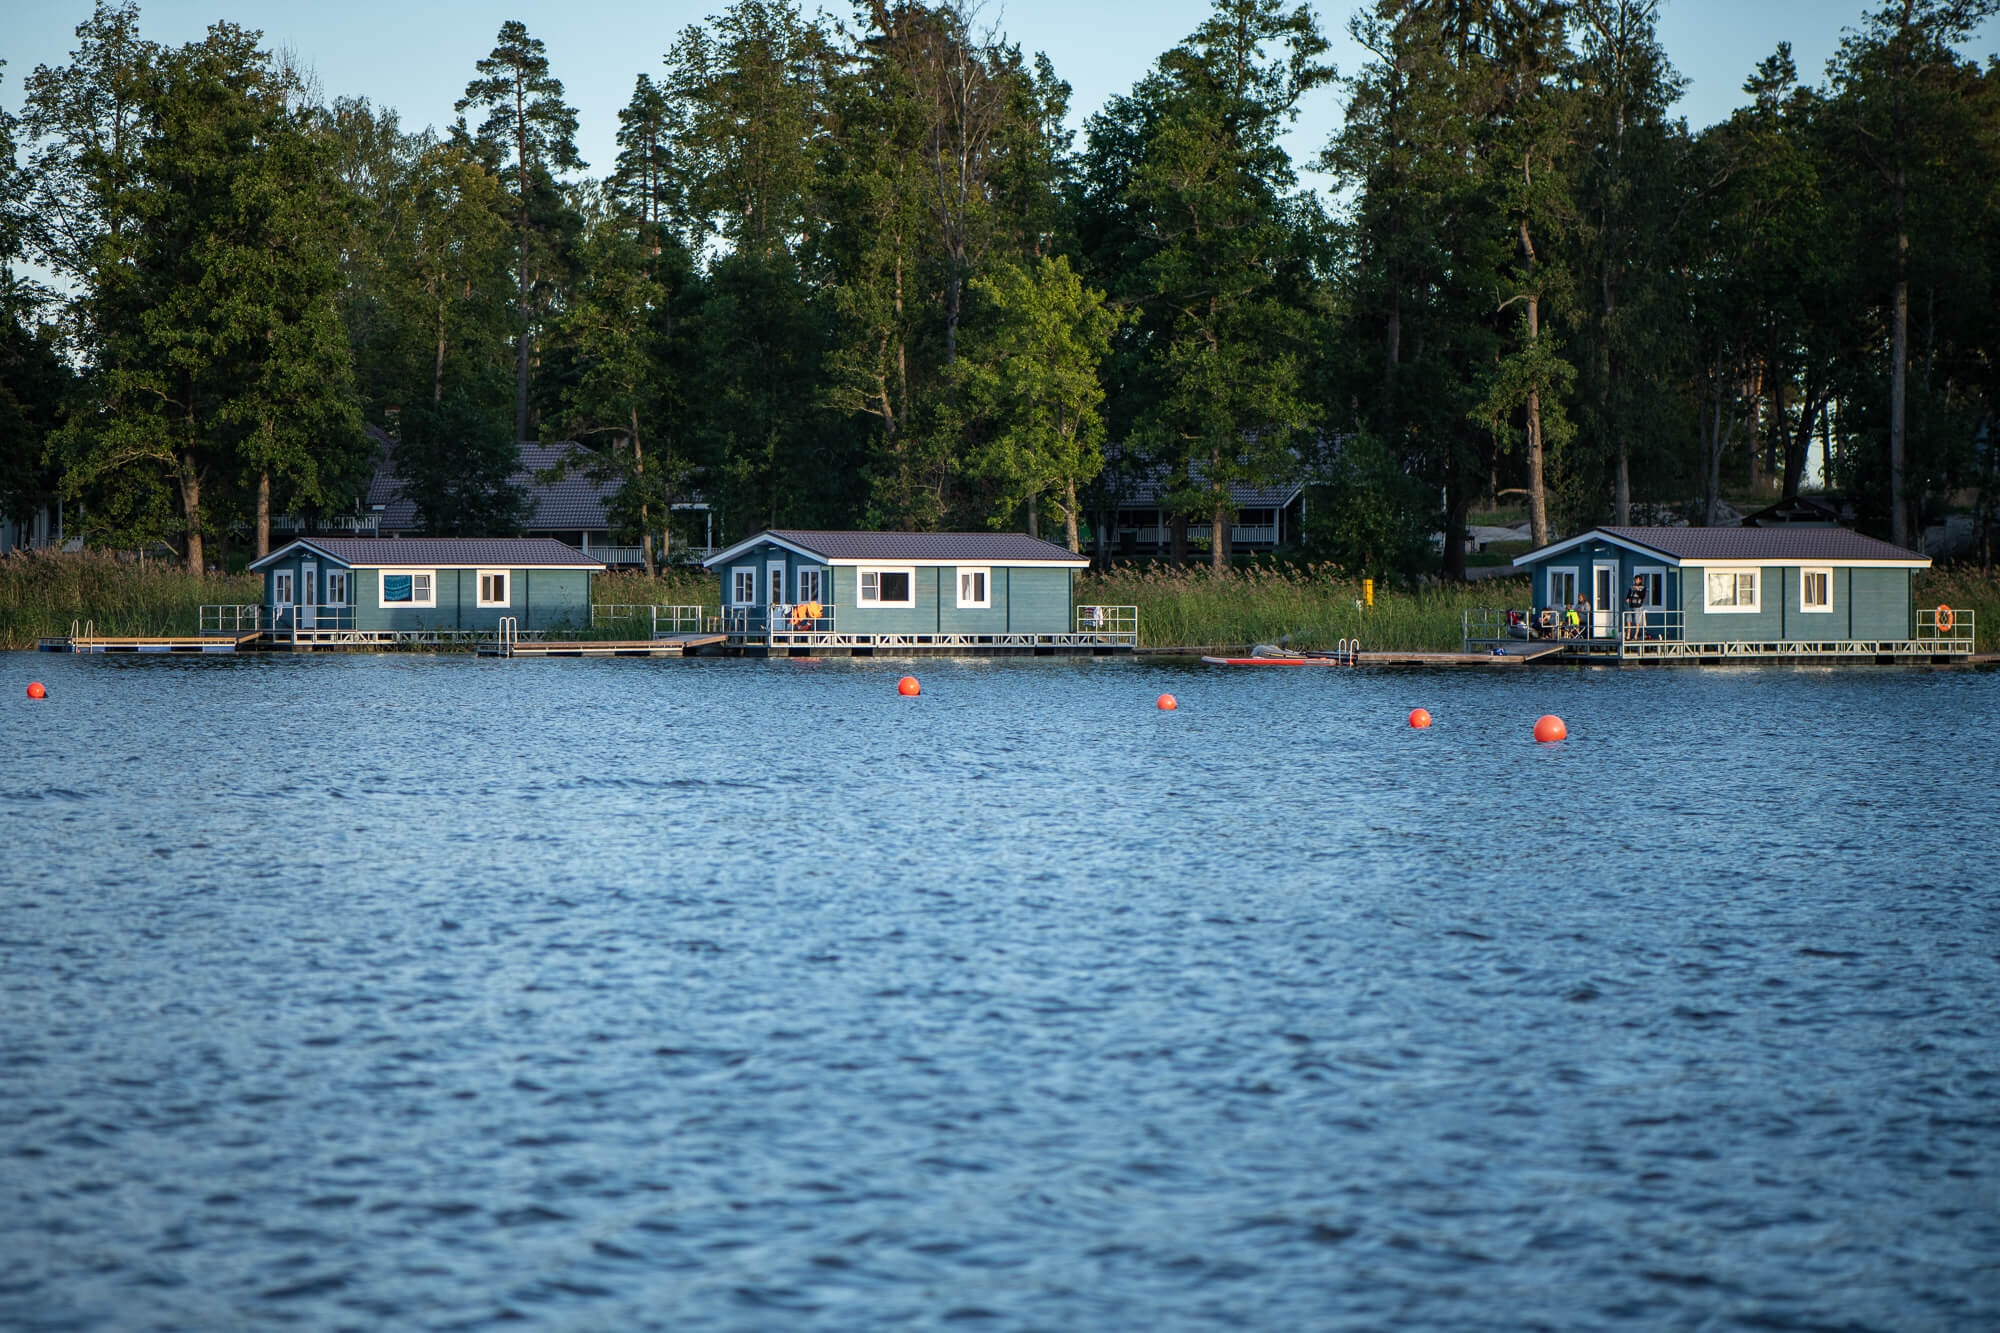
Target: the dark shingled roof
(447, 552)
(1008, 548)
(576, 503)
(1782, 544)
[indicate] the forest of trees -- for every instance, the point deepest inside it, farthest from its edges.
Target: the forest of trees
(858, 273)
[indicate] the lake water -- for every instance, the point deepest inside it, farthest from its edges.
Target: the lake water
(434, 992)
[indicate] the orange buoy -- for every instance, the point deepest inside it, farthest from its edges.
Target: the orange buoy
(1419, 717)
(1943, 618)
(35, 690)
(1549, 727)
(1166, 703)
(908, 686)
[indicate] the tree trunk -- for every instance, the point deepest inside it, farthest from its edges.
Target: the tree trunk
(263, 513)
(1798, 441)
(521, 353)
(1069, 516)
(1899, 352)
(645, 512)
(1538, 503)
(1034, 518)
(1177, 540)
(1218, 534)
(190, 484)
(1457, 504)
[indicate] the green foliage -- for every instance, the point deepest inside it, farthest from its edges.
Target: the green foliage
(1368, 513)
(42, 592)
(1308, 606)
(455, 461)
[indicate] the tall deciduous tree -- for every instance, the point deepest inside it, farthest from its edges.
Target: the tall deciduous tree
(1214, 248)
(1030, 380)
(211, 298)
(532, 129)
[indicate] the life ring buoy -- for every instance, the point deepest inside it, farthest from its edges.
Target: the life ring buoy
(1943, 618)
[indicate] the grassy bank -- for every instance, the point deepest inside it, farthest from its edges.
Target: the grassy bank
(1313, 604)
(41, 593)
(1976, 590)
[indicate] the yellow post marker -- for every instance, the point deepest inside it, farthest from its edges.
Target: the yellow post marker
(1368, 591)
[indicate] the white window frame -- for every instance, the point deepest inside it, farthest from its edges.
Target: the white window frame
(339, 587)
(1816, 608)
(812, 582)
(1656, 586)
(737, 586)
(284, 588)
(1549, 597)
(861, 588)
(984, 601)
(424, 578)
(506, 587)
(1738, 608)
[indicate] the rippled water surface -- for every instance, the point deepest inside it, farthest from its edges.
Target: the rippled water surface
(432, 992)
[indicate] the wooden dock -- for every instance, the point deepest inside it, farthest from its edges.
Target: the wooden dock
(141, 643)
(666, 645)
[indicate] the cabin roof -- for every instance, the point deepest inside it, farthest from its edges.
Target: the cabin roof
(438, 553)
(1777, 545)
(910, 548)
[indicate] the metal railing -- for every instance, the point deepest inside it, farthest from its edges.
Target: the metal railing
(1118, 624)
(506, 634)
(1948, 627)
(659, 619)
(1489, 624)
(227, 618)
(292, 617)
(780, 616)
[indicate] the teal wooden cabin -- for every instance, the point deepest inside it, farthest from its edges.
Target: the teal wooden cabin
(384, 588)
(969, 591)
(1728, 592)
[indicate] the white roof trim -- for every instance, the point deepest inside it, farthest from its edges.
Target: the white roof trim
(889, 562)
(306, 543)
(1801, 562)
(1557, 548)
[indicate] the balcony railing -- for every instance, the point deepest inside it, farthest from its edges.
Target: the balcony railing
(658, 620)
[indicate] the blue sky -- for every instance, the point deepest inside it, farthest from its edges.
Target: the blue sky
(417, 56)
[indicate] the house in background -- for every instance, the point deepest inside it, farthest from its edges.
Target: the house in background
(373, 589)
(572, 511)
(1266, 518)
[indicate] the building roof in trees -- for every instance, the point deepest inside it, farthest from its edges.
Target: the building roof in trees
(920, 548)
(574, 504)
(438, 553)
(1778, 546)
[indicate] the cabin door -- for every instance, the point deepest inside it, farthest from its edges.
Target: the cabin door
(774, 579)
(1603, 600)
(308, 595)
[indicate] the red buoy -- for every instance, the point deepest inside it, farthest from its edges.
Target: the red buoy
(908, 686)
(1549, 727)
(1419, 717)
(35, 690)
(1166, 703)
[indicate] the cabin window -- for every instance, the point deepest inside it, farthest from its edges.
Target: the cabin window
(743, 586)
(1562, 587)
(493, 587)
(281, 588)
(972, 589)
(1815, 590)
(1732, 590)
(336, 587)
(411, 589)
(1652, 588)
(812, 585)
(888, 587)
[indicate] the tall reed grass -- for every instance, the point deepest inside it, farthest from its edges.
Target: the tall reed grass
(41, 592)
(1965, 589)
(1311, 606)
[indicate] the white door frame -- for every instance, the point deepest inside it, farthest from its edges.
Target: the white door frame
(1604, 593)
(774, 580)
(308, 594)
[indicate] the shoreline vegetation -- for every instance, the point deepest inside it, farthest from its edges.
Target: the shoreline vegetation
(1311, 605)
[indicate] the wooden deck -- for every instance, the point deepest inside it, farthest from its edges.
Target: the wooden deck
(143, 643)
(666, 645)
